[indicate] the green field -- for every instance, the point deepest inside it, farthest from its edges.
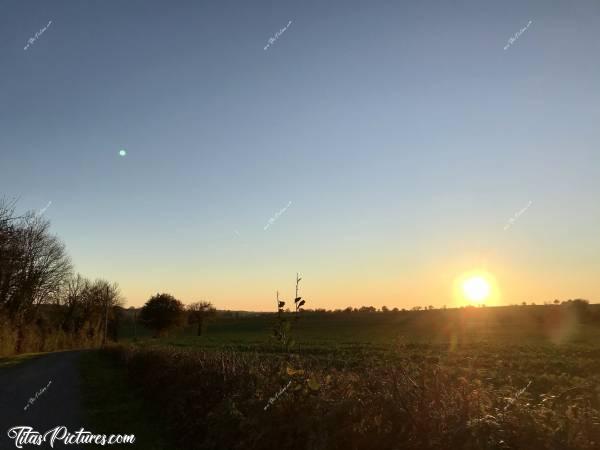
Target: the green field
(531, 324)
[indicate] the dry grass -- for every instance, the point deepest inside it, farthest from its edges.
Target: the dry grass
(413, 397)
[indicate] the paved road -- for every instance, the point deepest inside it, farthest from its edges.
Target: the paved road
(59, 404)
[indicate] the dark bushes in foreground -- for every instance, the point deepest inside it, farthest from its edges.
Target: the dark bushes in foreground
(216, 400)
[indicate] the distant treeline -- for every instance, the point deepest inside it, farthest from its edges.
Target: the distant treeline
(527, 314)
(580, 304)
(44, 306)
(578, 309)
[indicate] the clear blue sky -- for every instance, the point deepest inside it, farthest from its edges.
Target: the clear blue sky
(403, 134)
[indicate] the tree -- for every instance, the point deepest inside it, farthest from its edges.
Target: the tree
(34, 265)
(199, 312)
(384, 309)
(42, 306)
(162, 313)
(579, 306)
(106, 302)
(91, 309)
(73, 297)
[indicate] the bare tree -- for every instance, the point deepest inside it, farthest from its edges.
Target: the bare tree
(102, 301)
(39, 295)
(35, 267)
(72, 298)
(10, 257)
(199, 312)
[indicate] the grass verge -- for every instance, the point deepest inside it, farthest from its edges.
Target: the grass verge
(14, 360)
(113, 406)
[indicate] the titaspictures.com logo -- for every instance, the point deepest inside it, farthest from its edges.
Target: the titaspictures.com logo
(24, 435)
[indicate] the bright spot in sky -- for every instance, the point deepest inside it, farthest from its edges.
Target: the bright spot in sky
(476, 288)
(122, 153)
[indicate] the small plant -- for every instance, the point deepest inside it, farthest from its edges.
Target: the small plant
(283, 327)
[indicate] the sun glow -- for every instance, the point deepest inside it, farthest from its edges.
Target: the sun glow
(476, 287)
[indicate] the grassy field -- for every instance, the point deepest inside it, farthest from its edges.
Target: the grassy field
(489, 378)
(531, 324)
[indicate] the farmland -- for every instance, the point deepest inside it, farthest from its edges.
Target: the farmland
(512, 377)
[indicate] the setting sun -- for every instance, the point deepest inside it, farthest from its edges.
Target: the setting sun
(476, 289)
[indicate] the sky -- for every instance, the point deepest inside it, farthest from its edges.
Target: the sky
(378, 148)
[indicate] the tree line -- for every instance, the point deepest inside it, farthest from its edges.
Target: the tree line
(163, 313)
(579, 304)
(44, 305)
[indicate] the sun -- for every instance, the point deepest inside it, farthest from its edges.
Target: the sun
(476, 288)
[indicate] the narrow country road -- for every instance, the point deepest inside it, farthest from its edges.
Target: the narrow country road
(59, 404)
